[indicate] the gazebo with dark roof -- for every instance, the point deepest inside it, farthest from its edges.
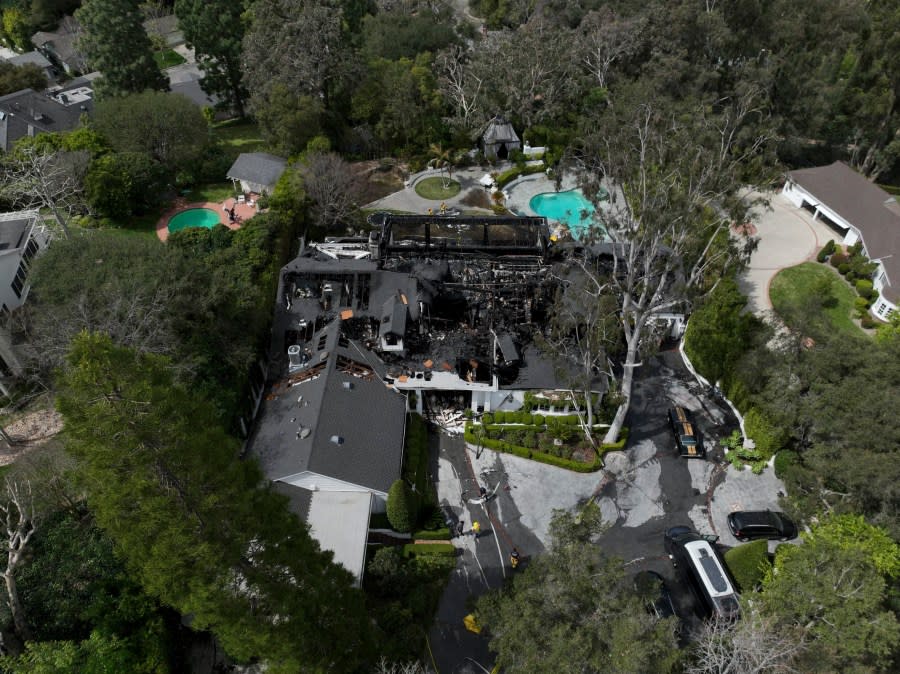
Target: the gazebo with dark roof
(499, 139)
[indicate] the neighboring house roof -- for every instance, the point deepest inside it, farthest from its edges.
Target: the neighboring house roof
(335, 418)
(864, 205)
(27, 108)
(257, 167)
(498, 130)
(62, 42)
(35, 57)
(14, 229)
(393, 316)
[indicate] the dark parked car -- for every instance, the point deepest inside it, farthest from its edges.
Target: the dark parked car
(699, 563)
(688, 440)
(751, 524)
(651, 587)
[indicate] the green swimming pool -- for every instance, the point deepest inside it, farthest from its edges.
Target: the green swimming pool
(194, 217)
(569, 207)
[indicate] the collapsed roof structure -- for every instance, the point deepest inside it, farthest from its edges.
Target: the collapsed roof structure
(445, 308)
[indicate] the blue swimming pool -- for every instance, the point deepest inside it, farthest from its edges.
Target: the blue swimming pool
(569, 207)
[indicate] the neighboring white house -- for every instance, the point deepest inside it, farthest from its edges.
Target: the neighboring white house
(858, 210)
(22, 236)
(257, 172)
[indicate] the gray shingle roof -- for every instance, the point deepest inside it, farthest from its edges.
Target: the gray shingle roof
(865, 206)
(35, 57)
(28, 108)
(499, 131)
(257, 167)
(61, 42)
(298, 423)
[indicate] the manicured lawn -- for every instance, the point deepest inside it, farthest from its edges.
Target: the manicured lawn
(433, 188)
(239, 135)
(214, 192)
(167, 58)
(801, 285)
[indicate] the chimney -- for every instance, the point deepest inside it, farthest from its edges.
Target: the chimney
(294, 356)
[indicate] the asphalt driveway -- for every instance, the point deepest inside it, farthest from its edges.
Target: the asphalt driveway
(642, 491)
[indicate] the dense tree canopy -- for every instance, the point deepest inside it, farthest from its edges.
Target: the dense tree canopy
(197, 527)
(15, 78)
(573, 609)
(115, 43)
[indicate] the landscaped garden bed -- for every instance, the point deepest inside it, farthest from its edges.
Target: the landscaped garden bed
(558, 440)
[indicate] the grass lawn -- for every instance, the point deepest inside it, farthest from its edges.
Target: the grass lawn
(239, 135)
(167, 58)
(433, 188)
(798, 286)
(145, 225)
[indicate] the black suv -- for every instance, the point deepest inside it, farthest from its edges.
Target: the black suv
(688, 440)
(747, 525)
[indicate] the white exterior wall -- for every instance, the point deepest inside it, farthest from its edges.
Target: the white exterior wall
(797, 196)
(317, 482)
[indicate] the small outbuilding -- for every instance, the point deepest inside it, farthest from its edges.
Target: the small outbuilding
(499, 139)
(257, 172)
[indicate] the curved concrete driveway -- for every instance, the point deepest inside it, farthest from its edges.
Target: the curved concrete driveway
(787, 236)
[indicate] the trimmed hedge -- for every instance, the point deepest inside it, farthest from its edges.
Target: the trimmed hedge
(401, 510)
(511, 174)
(838, 259)
(748, 564)
(768, 437)
(541, 457)
(421, 549)
(441, 534)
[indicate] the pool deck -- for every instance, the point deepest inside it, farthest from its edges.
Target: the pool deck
(523, 189)
(242, 212)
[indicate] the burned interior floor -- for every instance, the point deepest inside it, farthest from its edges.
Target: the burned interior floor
(434, 304)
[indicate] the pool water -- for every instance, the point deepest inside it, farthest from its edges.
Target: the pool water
(569, 207)
(194, 217)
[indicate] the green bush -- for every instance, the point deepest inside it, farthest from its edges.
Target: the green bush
(537, 419)
(511, 174)
(767, 437)
(400, 507)
(827, 249)
(437, 549)
(838, 259)
(487, 418)
(861, 304)
(783, 461)
(441, 534)
(748, 564)
(843, 268)
(868, 322)
(865, 288)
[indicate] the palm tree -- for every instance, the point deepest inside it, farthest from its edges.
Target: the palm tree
(441, 159)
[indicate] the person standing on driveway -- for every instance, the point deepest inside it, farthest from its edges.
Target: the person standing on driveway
(476, 528)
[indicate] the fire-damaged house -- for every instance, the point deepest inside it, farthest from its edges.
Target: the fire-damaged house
(428, 312)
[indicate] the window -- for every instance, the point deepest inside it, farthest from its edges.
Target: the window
(18, 283)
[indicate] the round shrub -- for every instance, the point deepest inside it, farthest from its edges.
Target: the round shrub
(822, 256)
(838, 259)
(487, 418)
(400, 508)
(784, 460)
(500, 418)
(537, 419)
(829, 247)
(843, 268)
(865, 288)
(868, 322)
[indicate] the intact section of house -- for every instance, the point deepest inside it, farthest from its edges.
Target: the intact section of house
(857, 210)
(22, 237)
(257, 172)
